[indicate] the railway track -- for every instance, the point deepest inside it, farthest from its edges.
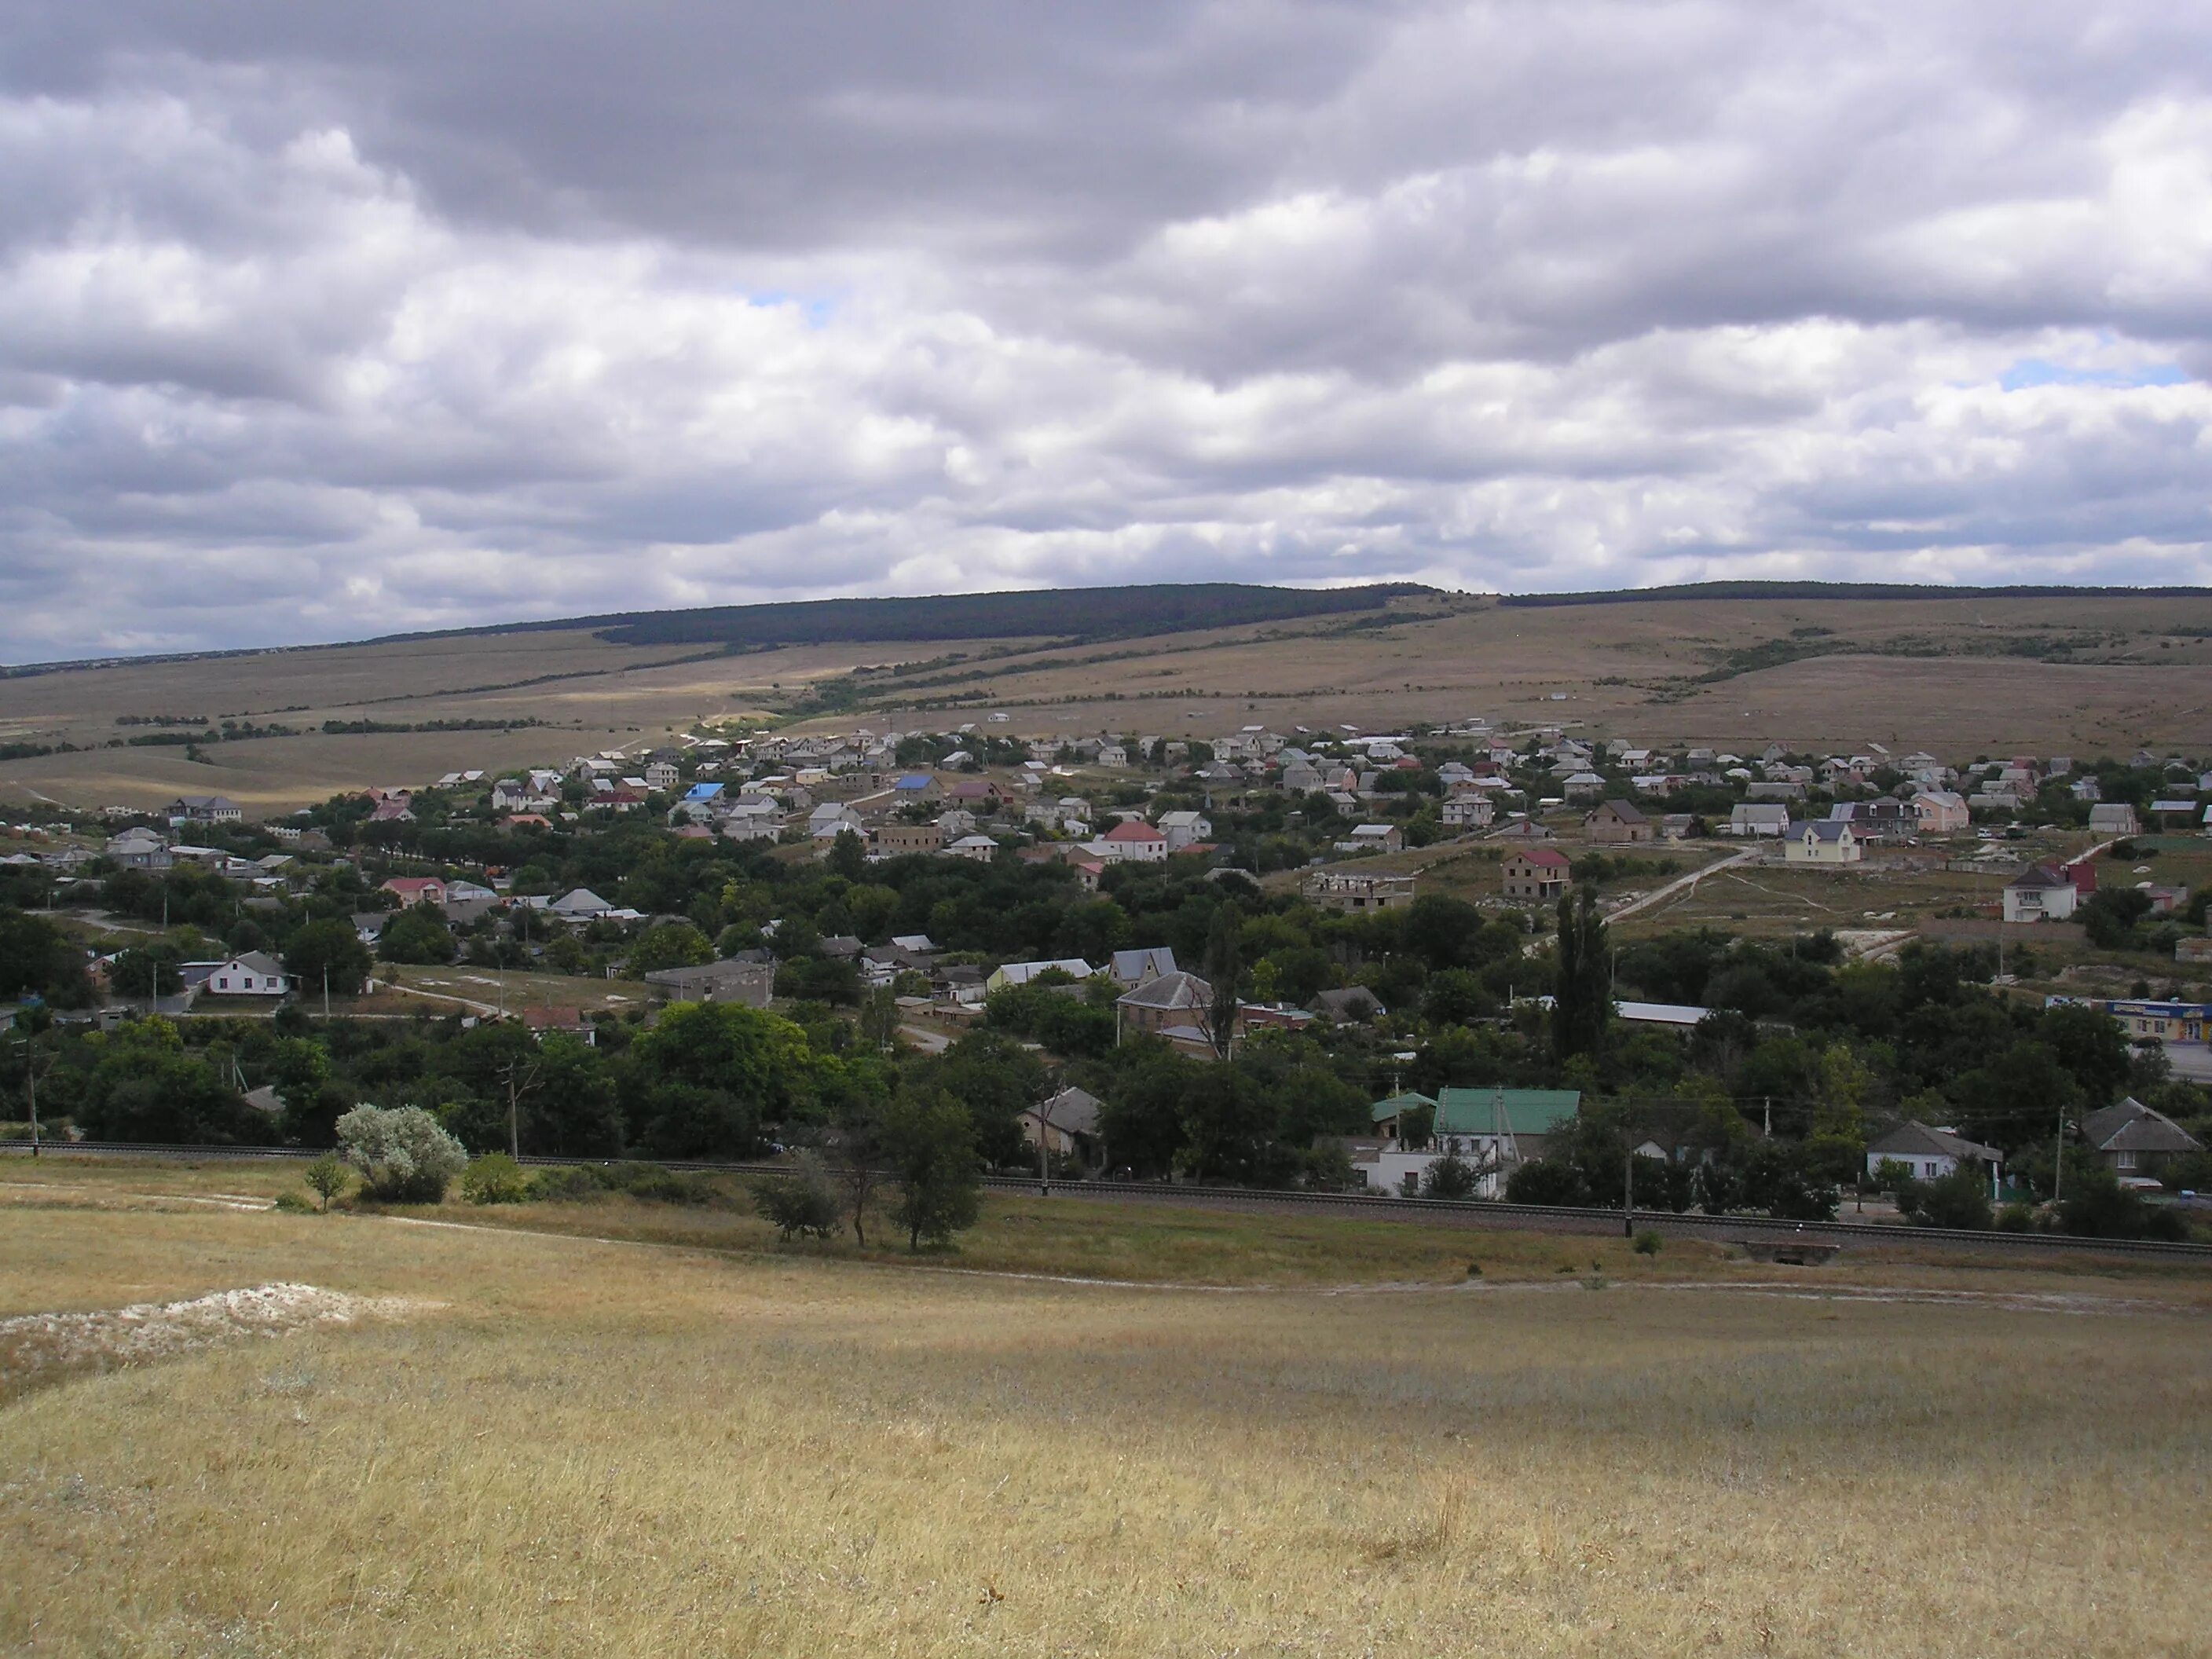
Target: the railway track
(1472, 1213)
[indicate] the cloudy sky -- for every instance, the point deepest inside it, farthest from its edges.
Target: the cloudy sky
(318, 321)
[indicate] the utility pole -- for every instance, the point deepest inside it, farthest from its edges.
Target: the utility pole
(1628, 1195)
(2059, 1156)
(326, 992)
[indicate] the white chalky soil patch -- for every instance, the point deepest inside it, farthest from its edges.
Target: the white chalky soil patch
(32, 1344)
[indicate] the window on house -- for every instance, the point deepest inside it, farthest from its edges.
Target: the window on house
(2126, 1160)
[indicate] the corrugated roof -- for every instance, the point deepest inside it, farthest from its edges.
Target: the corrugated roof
(1527, 1111)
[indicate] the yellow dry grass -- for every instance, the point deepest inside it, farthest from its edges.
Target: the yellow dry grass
(608, 1449)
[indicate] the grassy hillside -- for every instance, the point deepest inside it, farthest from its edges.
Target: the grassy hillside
(560, 1445)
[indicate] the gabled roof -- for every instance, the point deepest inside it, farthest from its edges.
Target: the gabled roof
(1132, 829)
(1818, 829)
(1134, 966)
(1071, 1110)
(2132, 1126)
(1626, 811)
(1916, 1138)
(2040, 875)
(1348, 1002)
(1549, 857)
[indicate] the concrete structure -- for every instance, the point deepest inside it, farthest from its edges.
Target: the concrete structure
(1357, 895)
(1619, 823)
(1537, 873)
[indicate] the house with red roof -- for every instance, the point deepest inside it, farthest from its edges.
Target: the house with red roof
(417, 890)
(1132, 840)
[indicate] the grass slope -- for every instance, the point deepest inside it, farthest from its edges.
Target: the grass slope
(571, 1448)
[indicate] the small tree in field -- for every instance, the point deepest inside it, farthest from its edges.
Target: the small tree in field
(405, 1155)
(930, 1142)
(800, 1204)
(327, 1178)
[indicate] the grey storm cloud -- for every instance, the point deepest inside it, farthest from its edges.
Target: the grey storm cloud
(319, 321)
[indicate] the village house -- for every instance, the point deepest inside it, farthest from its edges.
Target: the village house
(1172, 1006)
(1942, 812)
(1021, 973)
(978, 849)
(747, 983)
(416, 889)
(2135, 1141)
(1068, 1126)
(2114, 818)
(663, 775)
(2040, 893)
(896, 840)
(1467, 813)
(1617, 823)
(140, 849)
(1928, 1154)
(205, 809)
(1538, 873)
(1185, 829)
(1134, 966)
(1494, 1129)
(250, 975)
(1131, 840)
(1821, 840)
(1373, 838)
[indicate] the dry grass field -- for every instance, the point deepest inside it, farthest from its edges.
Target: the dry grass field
(501, 1443)
(2141, 674)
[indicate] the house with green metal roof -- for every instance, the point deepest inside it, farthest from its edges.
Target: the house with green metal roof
(1493, 1128)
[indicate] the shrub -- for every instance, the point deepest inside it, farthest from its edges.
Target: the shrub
(495, 1178)
(403, 1156)
(799, 1204)
(2015, 1218)
(1451, 1176)
(1649, 1242)
(1960, 1199)
(327, 1177)
(295, 1203)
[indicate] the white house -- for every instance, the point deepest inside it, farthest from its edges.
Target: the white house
(578, 904)
(2113, 818)
(252, 975)
(1468, 813)
(1132, 840)
(1185, 829)
(1759, 819)
(1930, 1154)
(2041, 894)
(1821, 840)
(1021, 973)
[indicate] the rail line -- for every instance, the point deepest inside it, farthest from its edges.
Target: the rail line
(1475, 1214)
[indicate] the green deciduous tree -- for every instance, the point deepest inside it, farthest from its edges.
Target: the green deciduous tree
(929, 1147)
(1582, 1009)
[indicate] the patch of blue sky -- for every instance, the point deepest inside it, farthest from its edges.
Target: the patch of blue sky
(2041, 371)
(818, 308)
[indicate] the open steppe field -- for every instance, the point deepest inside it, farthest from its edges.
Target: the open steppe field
(1956, 676)
(489, 1441)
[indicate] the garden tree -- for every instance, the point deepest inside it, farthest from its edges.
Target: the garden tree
(2111, 915)
(1311, 1098)
(571, 1109)
(1230, 1129)
(997, 1080)
(1453, 997)
(148, 970)
(145, 1086)
(405, 1155)
(1093, 929)
(1451, 1176)
(670, 944)
(36, 958)
(1224, 974)
(878, 1020)
(1837, 1139)
(834, 920)
(1583, 1007)
(2096, 1206)
(1960, 1199)
(326, 947)
(928, 1143)
(1140, 1111)
(418, 934)
(299, 1070)
(817, 979)
(1066, 1020)
(712, 1072)
(2093, 1047)
(873, 907)
(848, 856)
